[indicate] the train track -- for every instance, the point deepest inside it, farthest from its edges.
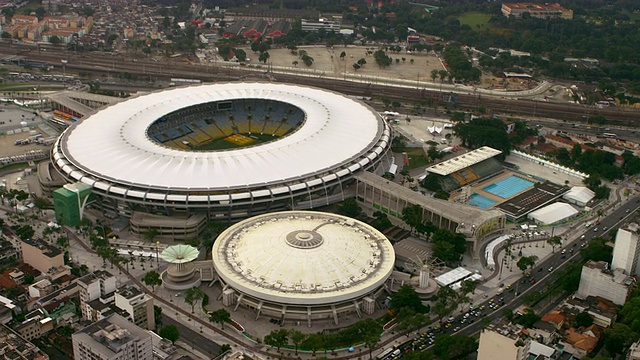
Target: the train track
(99, 64)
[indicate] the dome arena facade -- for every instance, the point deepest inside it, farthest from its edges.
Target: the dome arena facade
(229, 150)
(302, 265)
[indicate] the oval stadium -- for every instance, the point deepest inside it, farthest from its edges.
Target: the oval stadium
(302, 265)
(226, 150)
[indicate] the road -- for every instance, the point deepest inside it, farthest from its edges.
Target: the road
(541, 272)
(193, 338)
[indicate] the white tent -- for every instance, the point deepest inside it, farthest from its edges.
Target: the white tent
(579, 195)
(553, 213)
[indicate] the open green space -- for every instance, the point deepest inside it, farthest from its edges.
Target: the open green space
(224, 144)
(476, 20)
(417, 157)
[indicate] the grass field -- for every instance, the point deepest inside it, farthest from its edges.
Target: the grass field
(477, 21)
(417, 158)
(235, 141)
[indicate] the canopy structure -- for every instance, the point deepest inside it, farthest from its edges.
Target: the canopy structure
(553, 213)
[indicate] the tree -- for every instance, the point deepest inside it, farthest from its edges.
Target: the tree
(372, 332)
(277, 338)
(343, 55)
(295, 63)
(618, 338)
(220, 316)
(434, 75)
(412, 215)
(583, 319)
(356, 67)
(349, 207)
(407, 297)
(264, 56)
(307, 60)
(597, 250)
(192, 295)
(169, 332)
(54, 40)
(312, 342)
(554, 241)
(409, 320)
(224, 348)
(468, 286)
(448, 347)
(528, 318)
(297, 337)
(152, 279)
(240, 54)
(526, 262)
(150, 235)
(157, 315)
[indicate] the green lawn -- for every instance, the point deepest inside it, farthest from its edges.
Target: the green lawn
(476, 21)
(417, 157)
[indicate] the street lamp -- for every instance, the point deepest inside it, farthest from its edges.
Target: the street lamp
(157, 260)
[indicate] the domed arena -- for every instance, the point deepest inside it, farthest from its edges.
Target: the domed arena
(225, 150)
(302, 265)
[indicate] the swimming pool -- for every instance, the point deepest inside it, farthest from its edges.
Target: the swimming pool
(480, 201)
(508, 187)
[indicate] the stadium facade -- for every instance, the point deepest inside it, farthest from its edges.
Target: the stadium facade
(230, 150)
(302, 265)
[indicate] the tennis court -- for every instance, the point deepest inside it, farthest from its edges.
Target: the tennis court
(480, 201)
(508, 187)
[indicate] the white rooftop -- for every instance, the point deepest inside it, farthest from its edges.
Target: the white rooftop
(453, 276)
(463, 161)
(553, 213)
(303, 257)
(113, 144)
(580, 194)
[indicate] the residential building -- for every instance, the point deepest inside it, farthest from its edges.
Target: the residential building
(98, 284)
(112, 338)
(627, 250)
(543, 11)
(598, 280)
(14, 347)
(42, 256)
(137, 304)
(503, 341)
(634, 351)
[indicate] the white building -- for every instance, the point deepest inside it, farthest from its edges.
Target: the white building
(503, 341)
(112, 338)
(579, 195)
(553, 214)
(95, 286)
(634, 351)
(598, 280)
(626, 250)
(327, 25)
(137, 304)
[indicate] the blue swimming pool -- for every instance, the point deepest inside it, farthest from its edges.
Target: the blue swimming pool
(480, 201)
(508, 187)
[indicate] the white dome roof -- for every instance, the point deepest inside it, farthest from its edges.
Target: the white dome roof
(303, 257)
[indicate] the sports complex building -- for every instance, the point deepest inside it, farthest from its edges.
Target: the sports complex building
(302, 265)
(227, 151)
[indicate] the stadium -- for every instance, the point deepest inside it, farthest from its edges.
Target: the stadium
(226, 150)
(302, 265)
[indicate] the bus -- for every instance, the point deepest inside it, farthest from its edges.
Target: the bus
(609, 135)
(385, 353)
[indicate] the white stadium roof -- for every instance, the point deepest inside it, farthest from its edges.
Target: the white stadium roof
(303, 258)
(463, 161)
(112, 144)
(553, 213)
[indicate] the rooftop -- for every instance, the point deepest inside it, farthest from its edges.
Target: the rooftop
(95, 276)
(303, 256)
(109, 335)
(463, 161)
(46, 249)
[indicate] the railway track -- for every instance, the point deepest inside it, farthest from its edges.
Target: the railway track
(99, 63)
